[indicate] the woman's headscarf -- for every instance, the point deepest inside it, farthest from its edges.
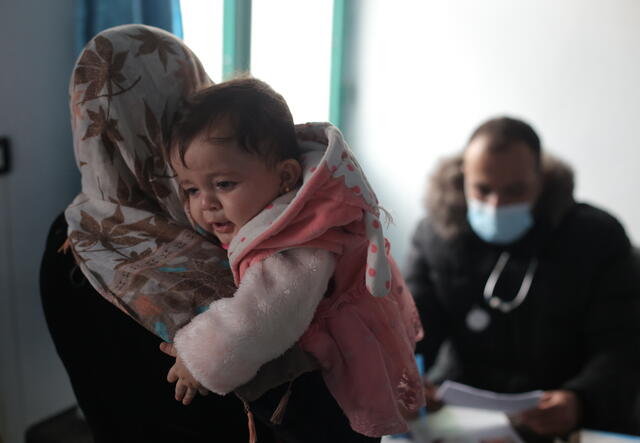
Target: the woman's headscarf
(127, 227)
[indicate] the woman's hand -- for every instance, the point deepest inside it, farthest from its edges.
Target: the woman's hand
(187, 386)
(558, 413)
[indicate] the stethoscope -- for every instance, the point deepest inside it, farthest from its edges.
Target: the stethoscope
(478, 319)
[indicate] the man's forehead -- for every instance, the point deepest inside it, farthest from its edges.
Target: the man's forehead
(481, 156)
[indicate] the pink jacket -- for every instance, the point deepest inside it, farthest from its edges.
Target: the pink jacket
(364, 330)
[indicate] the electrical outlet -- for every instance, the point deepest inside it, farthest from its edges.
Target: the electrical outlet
(4, 155)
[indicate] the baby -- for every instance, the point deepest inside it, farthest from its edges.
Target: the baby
(305, 244)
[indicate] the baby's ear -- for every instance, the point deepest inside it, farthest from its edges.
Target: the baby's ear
(289, 171)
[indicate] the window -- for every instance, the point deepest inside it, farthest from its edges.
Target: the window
(202, 29)
(290, 48)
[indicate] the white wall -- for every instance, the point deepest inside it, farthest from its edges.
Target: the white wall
(36, 58)
(293, 53)
(430, 71)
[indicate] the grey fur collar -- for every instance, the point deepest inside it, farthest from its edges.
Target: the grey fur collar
(447, 208)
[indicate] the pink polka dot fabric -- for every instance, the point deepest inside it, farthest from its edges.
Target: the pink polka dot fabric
(324, 151)
(336, 209)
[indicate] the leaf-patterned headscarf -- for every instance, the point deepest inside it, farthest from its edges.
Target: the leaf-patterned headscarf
(127, 227)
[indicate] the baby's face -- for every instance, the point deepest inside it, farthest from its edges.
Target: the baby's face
(225, 186)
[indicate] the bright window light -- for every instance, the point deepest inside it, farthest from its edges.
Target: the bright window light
(291, 50)
(202, 29)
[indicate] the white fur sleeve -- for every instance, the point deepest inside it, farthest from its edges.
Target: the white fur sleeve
(225, 346)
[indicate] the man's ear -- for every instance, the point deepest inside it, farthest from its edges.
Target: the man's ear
(289, 171)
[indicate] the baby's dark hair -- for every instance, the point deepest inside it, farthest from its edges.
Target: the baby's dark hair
(259, 119)
(505, 132)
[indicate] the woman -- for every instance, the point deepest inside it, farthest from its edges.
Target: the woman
(125, 87)
(133, 244)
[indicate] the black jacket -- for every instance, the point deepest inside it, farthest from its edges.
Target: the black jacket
(119, 375)
(577, 329)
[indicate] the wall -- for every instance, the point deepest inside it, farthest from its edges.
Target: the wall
(36, 49)
(429, 72)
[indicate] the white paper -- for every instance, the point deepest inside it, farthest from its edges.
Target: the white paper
(589, 436)
(458, 394)
(454, 424)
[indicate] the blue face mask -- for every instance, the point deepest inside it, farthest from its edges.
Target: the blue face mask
(500, 225)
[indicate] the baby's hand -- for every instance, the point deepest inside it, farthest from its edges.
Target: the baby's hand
(186, 387)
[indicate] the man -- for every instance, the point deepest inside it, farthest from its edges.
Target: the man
(533, 290)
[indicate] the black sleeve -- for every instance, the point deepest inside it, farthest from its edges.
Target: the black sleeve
(418, 275)
(117, 372)
(608, 384)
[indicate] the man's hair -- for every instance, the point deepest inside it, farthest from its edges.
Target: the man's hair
(503, 133)
(257, 116)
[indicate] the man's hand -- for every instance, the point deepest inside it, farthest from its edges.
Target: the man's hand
(432, 402)
(558, 413)
(186, 387)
